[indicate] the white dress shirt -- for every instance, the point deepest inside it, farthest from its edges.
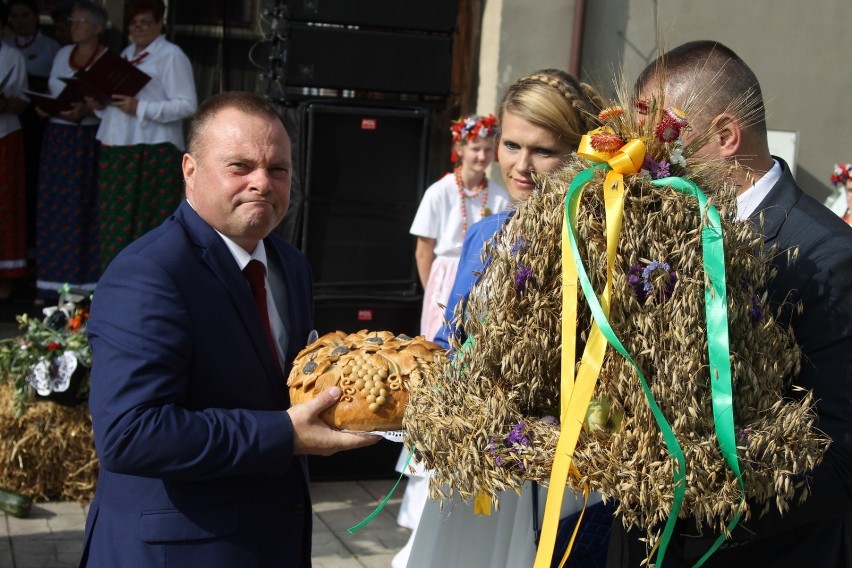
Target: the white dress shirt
(13, 68)
(163, 103)
(748, 200)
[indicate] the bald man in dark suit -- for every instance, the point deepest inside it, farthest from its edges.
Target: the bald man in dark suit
(817, 532)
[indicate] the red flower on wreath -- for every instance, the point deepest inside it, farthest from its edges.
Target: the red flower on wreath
(470, 128)
(669, 127)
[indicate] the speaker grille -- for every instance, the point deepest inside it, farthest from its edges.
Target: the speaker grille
(364, 177)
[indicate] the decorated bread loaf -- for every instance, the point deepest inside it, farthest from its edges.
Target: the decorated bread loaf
(374, 369)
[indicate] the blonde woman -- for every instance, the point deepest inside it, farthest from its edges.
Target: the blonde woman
(542, 118)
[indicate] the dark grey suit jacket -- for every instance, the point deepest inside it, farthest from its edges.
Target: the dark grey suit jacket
(819, 532)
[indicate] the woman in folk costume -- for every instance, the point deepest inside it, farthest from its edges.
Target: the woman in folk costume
(449, 207)
(66, 219)
(13, 253)
(142, 142)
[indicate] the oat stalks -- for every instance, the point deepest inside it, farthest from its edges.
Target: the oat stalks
(464, 415)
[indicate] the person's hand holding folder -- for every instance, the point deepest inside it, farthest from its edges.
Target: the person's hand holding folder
(47, 105)
(125, 103)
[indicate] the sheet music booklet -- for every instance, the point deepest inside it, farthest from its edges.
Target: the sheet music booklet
(54, 105)
(110, 75)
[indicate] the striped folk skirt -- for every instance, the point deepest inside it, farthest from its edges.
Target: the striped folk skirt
(139, 187)
(67, 209)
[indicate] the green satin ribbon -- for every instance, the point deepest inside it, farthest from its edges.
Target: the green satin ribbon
(718, 343)
(679, 474)
(384, 502)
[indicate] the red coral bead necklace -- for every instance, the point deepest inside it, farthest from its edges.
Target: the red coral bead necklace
(88, 62)
(481, 189)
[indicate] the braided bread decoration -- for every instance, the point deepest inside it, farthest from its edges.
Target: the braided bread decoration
(374, 369)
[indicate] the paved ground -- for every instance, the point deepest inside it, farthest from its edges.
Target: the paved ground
(51, 536)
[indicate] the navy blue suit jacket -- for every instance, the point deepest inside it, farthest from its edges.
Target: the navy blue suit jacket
(195, 446)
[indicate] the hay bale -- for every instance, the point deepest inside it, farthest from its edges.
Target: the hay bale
(49, 453)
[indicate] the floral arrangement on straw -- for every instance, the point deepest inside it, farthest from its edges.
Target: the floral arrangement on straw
(52, 358)
(482, 422)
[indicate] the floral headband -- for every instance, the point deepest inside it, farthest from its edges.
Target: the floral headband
(469, 128)
(842, 172)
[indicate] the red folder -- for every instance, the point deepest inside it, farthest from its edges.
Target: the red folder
(110, 75)
(54, 105)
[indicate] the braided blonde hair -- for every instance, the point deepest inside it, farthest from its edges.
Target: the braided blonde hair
(556, 101)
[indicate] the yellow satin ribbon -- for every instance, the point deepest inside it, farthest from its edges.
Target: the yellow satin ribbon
(481, 504)
(626, 160)
(576, 395)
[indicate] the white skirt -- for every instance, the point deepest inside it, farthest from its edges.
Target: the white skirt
(504, 539)
(442, 276)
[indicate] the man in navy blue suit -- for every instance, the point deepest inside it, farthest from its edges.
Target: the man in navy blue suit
(818, 276)
(202, 461)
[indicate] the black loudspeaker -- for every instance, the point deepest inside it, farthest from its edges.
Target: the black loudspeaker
(372, 462)
(399, 315)
(431, 16)
(364, 176)
(343, 58)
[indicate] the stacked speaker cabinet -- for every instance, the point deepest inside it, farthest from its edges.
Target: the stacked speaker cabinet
(361, 164)
(396, 46)
(360, 174)
(363, 178)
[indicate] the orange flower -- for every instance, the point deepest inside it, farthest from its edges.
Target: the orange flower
(606, 142)
(610, 112)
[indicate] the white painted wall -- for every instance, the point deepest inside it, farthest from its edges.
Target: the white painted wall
(800, 51)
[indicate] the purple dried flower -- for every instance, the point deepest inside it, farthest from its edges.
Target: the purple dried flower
(522, 277)
(520, 244)
(516, 436)
(658, 170)
(493, 451)
(635, 281)
(655, 278)
(635, 275)
(755, 311)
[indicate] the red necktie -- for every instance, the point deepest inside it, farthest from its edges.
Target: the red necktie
(255, 273)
